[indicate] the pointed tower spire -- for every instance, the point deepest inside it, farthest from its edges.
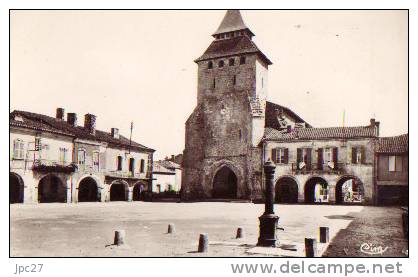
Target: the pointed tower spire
(232, 22)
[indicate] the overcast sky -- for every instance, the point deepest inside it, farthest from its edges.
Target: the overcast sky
(138, 66)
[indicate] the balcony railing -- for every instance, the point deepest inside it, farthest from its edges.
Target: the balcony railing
(331, 168)
(54, 166)
(124, 174)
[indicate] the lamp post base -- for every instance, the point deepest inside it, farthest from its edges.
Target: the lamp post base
(268, 227)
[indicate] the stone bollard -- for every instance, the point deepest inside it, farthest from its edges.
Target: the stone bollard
(310, 248)
(323, 234)
(171, 228)
(203, 243)
(240, 233)
(119, 238)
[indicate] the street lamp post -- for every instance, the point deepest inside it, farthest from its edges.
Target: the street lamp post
(268, 221)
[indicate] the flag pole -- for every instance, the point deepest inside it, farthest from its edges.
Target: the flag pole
(130, 136)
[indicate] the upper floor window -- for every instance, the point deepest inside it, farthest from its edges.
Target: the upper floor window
(132, 165)
(142, 166)
(81, 157)
(231, 62)
(304, 158)
(395, 163)
(242, 60)
(280, 155)
(63, 155)
(214, 83)
(210, 65)
(234, 80)
(18, 149)
(119, 162)
(96, 161)
(221, 63)
(358, 155)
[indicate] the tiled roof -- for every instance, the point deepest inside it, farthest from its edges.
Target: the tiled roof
(271, 120)
(36, 125)
(320, 133)
(229, 47)
(397, 144)
(232, 22)
(47, 123)
(165, 166)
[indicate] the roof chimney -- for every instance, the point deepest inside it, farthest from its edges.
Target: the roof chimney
(60, 113)
(72, 119)
(115, 133)
(90, 123)
(375, 124)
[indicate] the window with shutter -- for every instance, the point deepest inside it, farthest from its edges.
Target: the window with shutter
(299, 157)
(286, 156)
(308, 159)
(335, 157)
(274, 155)
(320, 158)
(354, 155)
(363, 155)
(392, 160)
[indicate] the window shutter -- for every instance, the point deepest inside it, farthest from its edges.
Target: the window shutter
(320, 158)
(274, 155)
(299, 156)
(286, 156)
(15, 149)
(363, 155)
(308, 158)
(353, 155)
(335, 157)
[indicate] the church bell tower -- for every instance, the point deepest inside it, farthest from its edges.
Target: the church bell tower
(221, 157)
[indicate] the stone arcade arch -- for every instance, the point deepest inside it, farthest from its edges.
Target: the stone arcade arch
(119, 191)
(137, 191)
(88, 190)
(349, 190)
(286, 190)
(316, 190)
(52, 189)
(225, 184)
(16, 188)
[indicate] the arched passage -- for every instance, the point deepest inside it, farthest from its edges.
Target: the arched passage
(52, 189)
(16, 188)
(349, 189)
(88, 190)
(119, 191)
(137, 192)
(225, 184)
(286, 190)
(316, 190)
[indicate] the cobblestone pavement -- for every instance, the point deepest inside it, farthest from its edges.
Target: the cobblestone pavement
(87, 229)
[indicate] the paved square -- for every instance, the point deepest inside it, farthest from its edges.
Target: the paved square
(87, 229)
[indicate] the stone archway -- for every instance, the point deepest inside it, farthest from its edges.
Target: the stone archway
(119, 191)
(16, 188)
(52, 189)
(286, 190)
(349, 190)
(137, 191)
(88, 190)
(316, 190)
(225, 184)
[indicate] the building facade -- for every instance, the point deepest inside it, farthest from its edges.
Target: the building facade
(234, 130)
(392, 167)
(167, 177)
(56, 160)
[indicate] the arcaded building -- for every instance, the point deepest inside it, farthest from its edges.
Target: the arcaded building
(234, 130)
(56, 159)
